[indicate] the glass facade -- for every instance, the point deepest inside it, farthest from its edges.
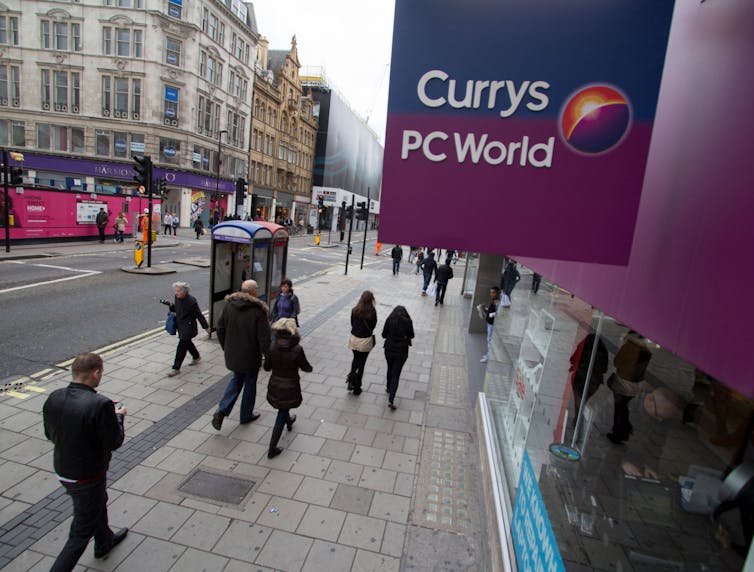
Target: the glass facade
(631, 465)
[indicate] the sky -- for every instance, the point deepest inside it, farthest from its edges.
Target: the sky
(350, 39)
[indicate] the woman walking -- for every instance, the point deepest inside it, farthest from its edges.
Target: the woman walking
(398, 333)
(198, 227)
(285, 358)
(187, 313)
(361, 342)
(286, 304)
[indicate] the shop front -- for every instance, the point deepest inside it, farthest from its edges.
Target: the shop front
(616, 452)
(262, 204)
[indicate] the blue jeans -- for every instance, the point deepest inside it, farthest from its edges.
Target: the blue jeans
(490, 329)
(427, 278)
(396, 265)
(246, 380)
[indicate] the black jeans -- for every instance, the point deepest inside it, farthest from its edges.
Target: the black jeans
(357, 367)
(89, 519)
(440, 294)
(180, 352)
(394, 367)
(621, 425)
(101, 230)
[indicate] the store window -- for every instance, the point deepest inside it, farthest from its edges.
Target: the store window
(628, 444)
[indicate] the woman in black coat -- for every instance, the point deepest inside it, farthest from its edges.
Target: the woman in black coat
(398, 333)
(187, 313)
(285, 358)
(361, 342)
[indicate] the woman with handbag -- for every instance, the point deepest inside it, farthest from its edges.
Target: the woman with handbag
(361, 342)
(398, 333)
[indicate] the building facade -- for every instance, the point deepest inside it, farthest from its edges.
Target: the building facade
(282, 137)
(84, 86)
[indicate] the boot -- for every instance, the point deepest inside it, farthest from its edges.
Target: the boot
(274, 451)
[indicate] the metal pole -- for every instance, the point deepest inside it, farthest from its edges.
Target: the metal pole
(217, 180)
(350, 228)
(584, 395)
(150, 186)
(366, 228)
(6, 198)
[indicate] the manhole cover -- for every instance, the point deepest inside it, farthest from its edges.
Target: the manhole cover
(231, 490)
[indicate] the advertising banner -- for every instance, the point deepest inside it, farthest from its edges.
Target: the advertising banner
(521, 127)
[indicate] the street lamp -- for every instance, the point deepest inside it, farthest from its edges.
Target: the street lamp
(217, 186)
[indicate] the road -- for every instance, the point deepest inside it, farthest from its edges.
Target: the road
(54, 308)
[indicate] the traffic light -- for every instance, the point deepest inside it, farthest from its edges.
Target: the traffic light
(143, 170)
(320, 203)
(241, 187)
(349, 212)
(16, 176)
(362, 211)
(162, 188)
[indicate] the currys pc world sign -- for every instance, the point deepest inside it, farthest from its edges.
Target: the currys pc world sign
(521, 127)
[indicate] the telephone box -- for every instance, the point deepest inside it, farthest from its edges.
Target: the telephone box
(243, 250)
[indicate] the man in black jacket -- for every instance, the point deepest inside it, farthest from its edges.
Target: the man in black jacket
(397, 255)
(243, 331)
(187, 312)
(443, 273)
(85, 428)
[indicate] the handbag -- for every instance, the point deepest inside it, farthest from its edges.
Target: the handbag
(171, 326)
(363, 345)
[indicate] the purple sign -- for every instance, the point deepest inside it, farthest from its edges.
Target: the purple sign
(529, 133)
(123, 171)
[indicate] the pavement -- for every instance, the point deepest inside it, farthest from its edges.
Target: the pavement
(357, 487)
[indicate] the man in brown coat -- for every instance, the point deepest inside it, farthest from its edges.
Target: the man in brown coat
(244, 334)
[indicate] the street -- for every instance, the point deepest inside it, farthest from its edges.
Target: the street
(56, 307)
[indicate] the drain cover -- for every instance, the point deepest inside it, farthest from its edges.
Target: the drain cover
(231, 490)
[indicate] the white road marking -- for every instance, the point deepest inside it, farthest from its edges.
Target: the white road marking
(83, 274)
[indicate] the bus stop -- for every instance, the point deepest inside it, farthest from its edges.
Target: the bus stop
(244, 250)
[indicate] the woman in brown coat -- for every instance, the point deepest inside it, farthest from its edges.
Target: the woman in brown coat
(285, 358)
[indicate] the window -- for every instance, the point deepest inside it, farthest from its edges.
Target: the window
(127, 43)
(239, 48)
(237, 86)
(170, 151)
(236, 126)
(237, 167)
(61, 36)
(125, 3)
(12, 133)
(213, 27)
(121, 97)
(202, 158)
(173, 51)
(170, 105)
(60, 138)
(61, 91)
(9, 30)
(281, 151)
(210, 68)
(175, 8)
(208, 116)
(118, 143)
(10, 86)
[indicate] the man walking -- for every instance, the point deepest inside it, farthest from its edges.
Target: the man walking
(396, 254)
(167, 224)
(102, 219)
(489, 316)
(85, 428)
(443, 273)
(244, 334)
(428, 267)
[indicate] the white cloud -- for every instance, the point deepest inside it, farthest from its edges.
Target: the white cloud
(351, 39)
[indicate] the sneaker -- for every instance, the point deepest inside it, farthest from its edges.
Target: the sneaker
(195, 361)
(290, 423)
(173, 372)
(117, 539)
(217, 420)
(357, 391)
(391, 406)
(484, 359)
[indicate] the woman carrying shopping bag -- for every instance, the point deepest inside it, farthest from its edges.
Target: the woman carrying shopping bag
(361, 342)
